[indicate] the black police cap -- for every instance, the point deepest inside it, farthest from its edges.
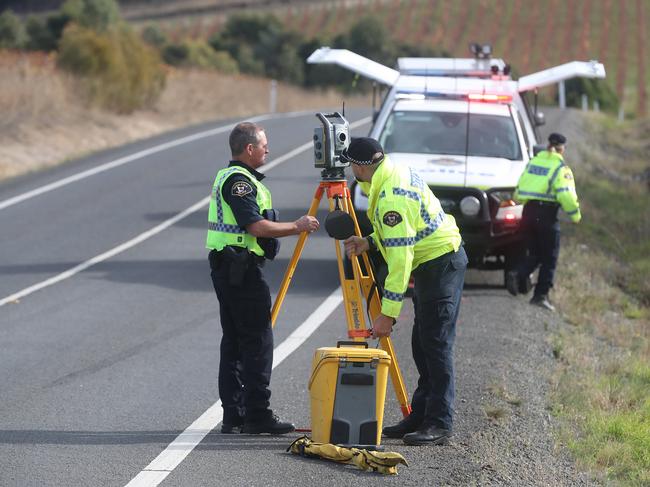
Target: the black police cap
(361, 150)
(556, 139)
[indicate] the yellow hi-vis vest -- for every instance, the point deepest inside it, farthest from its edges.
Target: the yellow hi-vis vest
(409, 225)
(547, 178)
(222, 226)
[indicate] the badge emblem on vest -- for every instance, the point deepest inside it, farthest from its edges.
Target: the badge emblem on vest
(392, 218)
(241, 188)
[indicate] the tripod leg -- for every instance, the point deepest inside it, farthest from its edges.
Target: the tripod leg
(288, 275)
(370, 292)
(396, 376)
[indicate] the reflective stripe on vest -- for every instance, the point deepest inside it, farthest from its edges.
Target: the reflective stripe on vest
(223, 229)
(431, 225)
(536, 182)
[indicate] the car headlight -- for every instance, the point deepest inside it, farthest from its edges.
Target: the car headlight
(470, 206)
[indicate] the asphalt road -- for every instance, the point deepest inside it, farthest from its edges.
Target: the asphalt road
(109, 332)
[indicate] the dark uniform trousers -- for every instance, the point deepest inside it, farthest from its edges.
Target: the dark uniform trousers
(247, 342)
(437, 293)
(541, 229)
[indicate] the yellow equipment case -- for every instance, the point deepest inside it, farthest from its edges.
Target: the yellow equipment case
(347, 391)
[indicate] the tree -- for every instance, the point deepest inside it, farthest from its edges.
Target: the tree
(12, 32)
(97, 15)
(595, 89)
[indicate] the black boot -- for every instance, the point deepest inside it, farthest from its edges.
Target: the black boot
(407, 425)
(271, 425)
(428, 436)
(525, 284)
(512, 282)
(542, 301)
(232, 428)
(233, 420)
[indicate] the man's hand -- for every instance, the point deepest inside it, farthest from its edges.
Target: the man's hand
(356, 245)
(382, 326)
(307, 224)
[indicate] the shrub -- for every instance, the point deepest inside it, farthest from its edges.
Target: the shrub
(595, 89)
(12, 32)
(199, 54)
(175, 54)
(246, 60)
(44, 34)
(154, 36)
(257, 44)
(97, 15)
(117, 70)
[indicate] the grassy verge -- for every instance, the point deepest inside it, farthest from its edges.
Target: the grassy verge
(602, 385)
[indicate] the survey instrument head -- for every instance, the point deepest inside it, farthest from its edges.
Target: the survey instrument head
(330, 140)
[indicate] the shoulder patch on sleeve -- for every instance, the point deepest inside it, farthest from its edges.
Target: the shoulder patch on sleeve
(241, 188)
(392, 218)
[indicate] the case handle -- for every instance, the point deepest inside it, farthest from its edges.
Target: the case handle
(351, 343)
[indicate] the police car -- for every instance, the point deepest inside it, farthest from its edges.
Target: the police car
(465, 126)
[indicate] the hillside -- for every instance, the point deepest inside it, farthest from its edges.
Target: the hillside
(44, 123)
(529, 35)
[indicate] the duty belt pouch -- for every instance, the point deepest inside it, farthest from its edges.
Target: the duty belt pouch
(238, 260)
(270, 246)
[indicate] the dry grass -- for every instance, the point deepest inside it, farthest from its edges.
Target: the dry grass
(44, 123)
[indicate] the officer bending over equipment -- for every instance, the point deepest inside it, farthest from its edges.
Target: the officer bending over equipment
(242, 234)
(414, 234)
(545, 185)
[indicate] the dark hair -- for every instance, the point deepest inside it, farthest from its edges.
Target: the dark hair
(556, 139)
(243, 134)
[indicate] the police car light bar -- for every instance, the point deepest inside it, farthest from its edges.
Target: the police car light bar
(489, 97)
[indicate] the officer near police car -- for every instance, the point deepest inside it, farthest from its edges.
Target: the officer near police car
(545, 185)
(414, 236)
(243, 232)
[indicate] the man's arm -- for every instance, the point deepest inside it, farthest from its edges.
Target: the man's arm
(398, 239)
(269, 229)
(565, 190)
(241, 194)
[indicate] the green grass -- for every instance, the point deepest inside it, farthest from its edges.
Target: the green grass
(616, 423)
(616, 205)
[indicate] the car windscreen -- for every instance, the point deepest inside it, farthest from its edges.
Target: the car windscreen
(445, 133)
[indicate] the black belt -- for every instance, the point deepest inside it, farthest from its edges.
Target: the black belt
(216, 257)
(548, 204)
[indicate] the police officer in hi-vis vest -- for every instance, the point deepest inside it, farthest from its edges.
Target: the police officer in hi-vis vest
(242, 234)
(545, 185)
(414, 235)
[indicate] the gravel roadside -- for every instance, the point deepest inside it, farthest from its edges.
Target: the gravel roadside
(504, 430)
(503, 426)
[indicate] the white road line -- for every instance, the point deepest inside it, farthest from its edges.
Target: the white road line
(149, 233)
(154, 473)
(106, 255)
(133, 157)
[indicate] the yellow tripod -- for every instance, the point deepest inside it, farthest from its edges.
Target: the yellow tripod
(362, 283)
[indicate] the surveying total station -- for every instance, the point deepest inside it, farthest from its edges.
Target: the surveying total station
(341, 375)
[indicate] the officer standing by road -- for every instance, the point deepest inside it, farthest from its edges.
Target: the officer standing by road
(242, 234)
(414, 234)
(545, 185)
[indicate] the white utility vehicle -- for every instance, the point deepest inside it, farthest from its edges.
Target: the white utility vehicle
(465, 126)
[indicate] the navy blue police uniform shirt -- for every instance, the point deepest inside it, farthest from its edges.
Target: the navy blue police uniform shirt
(241, 195)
